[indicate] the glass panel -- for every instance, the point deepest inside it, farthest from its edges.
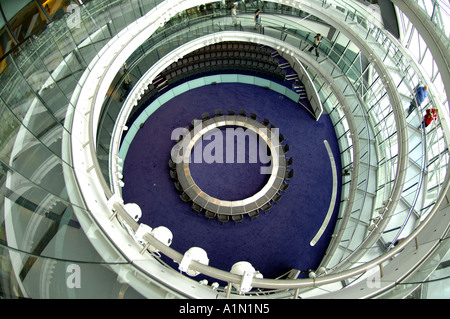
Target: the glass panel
(29, 20)
(48, 278)
(18, 94)
(36, 164)
(9, 128)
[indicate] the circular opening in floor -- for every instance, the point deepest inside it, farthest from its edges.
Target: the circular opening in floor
(226, 163)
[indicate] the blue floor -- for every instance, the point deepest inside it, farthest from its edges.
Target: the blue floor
(228, 164)
(276, 241)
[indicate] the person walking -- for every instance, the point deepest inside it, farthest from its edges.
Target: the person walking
(420, 94)
(126, 84)
(317, 41)
(430, 116)
(257, 19)
(234, 15)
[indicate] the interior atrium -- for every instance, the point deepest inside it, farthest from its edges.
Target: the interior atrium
(98, 98)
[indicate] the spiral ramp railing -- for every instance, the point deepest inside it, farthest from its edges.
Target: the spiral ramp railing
(397, 169)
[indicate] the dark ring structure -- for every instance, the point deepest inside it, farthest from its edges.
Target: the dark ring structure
(181, 156)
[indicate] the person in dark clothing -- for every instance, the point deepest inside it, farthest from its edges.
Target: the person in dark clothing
(257, 19)
(317, 40)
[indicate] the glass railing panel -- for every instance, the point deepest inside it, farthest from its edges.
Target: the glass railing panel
(31, 276)
(146, 6)
(130, 10)
(40, 221)
(30, 221)
(97, 14)
(64, 67)
(36, 73)
(35, 157)
(44, 226)
(27, 108)
(118, 18)
(416, 150)
(44, 169)
(35, 211)
(430, 281)
(41, 127)
(351, 237)
(412, 184)
(66, 46)
(8, 132)
(82, 38)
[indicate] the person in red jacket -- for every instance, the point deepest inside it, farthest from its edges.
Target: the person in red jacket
(430, 116)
